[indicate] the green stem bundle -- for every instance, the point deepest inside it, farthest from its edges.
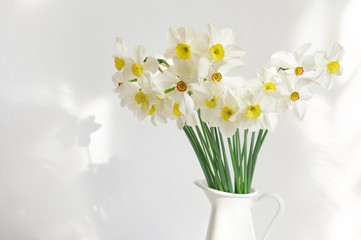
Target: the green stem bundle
(208, 145)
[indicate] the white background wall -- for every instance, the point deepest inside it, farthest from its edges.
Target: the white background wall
(74, 165)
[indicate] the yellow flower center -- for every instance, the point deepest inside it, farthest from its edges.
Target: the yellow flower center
(227, 113)
(176, 110)
(299, 70)
(140, 97)
(119, 63)
(181, 86)
(152, 110)
(183, 51)
(217, 77)
(211, 103)
(137, 69)
(270, 86)
(119, 84)
(334, 67)
(253, 111)
(295, 96)
(217, 52)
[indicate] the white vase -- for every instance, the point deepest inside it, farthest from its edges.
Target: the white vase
(231, 217)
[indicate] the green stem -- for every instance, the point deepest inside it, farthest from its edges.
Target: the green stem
(208, 153)
(257, 151)
(250, 160)
(239, 160)
(254, 156)
(216, 148)
(162, 61)
(244, 156)
(218, 182)
(237, 187)
(200, 156)
(225, 160)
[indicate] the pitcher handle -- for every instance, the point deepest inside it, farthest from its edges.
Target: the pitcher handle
(279, 212)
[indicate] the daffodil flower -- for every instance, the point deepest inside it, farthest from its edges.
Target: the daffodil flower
(169, 109)
(209, 99)
(297, 63)
(268, 82)
(140, 66)
(221, 45)
(118, 79)
(257, 111)
(295, 92)
(119, 58)
(159, 111)
(121, 86)
(221, 74)
(185, 44)
(329, 65)
(178, 82)
(181, 117)
(226, 118)
(143, 102)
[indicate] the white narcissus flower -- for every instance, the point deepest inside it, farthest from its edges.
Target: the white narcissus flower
(257, 111)
(297, 63)
(181, 118)
(125, 92)
(329, 66)
(220, 74)
(178, 82)
(143, 101)
(140, 66)
(121, 87)
(118, 79)
(159, 111)
(295, 91)
(169, 109)
(225, 118)
(185, 44)
(268, 81)
(119, 58)
(221, 45)
(208, 98)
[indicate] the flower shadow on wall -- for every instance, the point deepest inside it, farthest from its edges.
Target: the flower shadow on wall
(41, 197)
(78, 132)
(109, 202)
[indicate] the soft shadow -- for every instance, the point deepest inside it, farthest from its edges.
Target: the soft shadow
(40, 194)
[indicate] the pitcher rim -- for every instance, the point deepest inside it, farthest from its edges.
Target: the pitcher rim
(201, 183)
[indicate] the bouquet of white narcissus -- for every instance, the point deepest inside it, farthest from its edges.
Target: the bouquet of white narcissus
(196, 84)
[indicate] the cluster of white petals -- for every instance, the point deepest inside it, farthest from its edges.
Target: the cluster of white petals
(199, 76)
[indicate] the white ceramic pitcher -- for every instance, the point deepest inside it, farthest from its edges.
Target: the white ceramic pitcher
(231, 217)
